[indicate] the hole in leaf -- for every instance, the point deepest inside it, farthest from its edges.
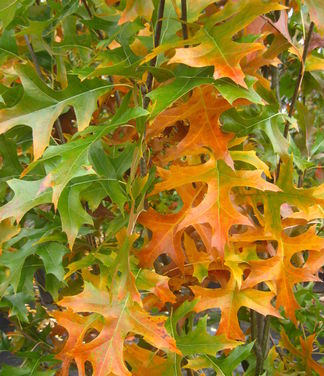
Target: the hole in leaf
(90, 335)
(88, 368)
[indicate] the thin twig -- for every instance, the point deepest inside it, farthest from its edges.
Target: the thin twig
(157, 37)
(34, 58)
(101, 37)
(300, 77)
(297, 87)
(279, 352)
(275, 84)
(254, 335)
(99, 33)
(184, 19)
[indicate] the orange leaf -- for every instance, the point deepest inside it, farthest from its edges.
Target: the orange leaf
(120, 318)
(216, 208)
(281, 271)
(202, 111)
(230, 299)
(215, 41)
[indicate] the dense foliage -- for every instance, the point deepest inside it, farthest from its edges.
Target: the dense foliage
(161, 195)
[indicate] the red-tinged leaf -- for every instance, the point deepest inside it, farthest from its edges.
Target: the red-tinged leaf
(166, 237)
(216, 208)
(305, 353)
(202, 112)
(158, 285)
(120, 318)
(281, 27)
(230, 299)
(280, 270)
(215, 45)
(316, 11)
(198, 260)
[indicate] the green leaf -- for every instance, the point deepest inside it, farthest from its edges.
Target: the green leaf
(106, 170)
(11, 167)
(8, 10)
(17, 305)
(64, 162)
(40, 106)
(230, 362)
(7, 370)
(8, 45)
(52, 255)
(27, 196)
(253, 119)
(231, 91)
(198, 341)
(72, 213)
(186, 79)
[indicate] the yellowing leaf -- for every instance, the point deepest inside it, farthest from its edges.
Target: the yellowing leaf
(216, 208)
(230, 299)
(304, 353)
(280, 269)
(215, 45)
(120, 318)
(136, 8)
(202, 112)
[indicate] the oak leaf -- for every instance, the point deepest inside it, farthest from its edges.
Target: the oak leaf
(120, 318)
(304, 353)
(216, 208)
(230, 299)
(201, 111)
(40, 106)
(214, 44)
(136, 8)
(280, 270)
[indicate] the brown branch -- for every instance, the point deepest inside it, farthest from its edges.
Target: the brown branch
(254, 334)
(157, 37)
(184, 19)
(300, 77)
(34, 58)
(297, 87)
(101, 37)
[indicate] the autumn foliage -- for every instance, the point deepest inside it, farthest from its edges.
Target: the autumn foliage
(161, 187)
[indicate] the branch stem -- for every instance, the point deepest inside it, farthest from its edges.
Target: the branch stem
(300, 77)
(184, 19)
(157, 37)
(101, 37)
(297, 86)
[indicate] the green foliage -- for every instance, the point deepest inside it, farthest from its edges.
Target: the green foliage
(161, 187)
